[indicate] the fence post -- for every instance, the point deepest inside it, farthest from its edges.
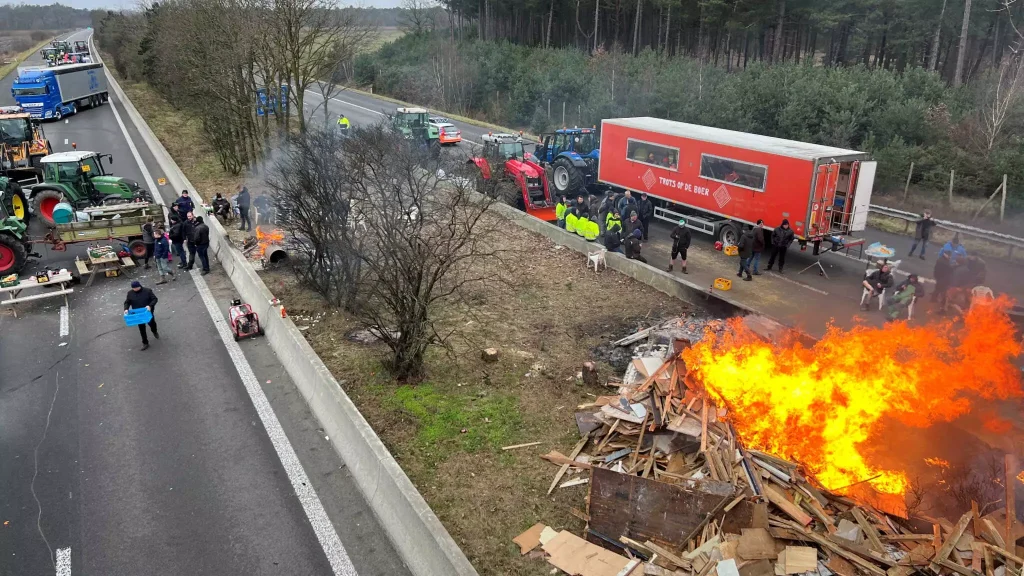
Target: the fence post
(906, 186)
(563, 113)
(549, 109)
(1002, 203)
(952, 174)
(579, 114)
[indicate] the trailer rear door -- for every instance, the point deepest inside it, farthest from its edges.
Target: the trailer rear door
(862, 196)
(824, 192)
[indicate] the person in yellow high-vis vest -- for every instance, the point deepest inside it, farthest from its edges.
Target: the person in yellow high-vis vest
(560, 212)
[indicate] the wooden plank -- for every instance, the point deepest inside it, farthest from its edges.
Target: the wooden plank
(1005, 553)
(950, 542)
(776, 497)
(868, 529)
(574, 555)
(862, 563)
(977, 552)
(798, 559)
(993, 533)
(864, 552)
(21, 299)
(704, 425)
(1010, 483)
(757, 544)
(669, 556)
(82, 268)
(908, 538)
(527, 445)
(958, 568)
(565, 465)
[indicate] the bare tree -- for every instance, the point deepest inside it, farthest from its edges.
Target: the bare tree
(310, 186)
(354, 33)
(933, 57)
(418, 16)
(423, 239)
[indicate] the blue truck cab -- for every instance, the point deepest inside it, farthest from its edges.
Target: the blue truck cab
(58, 91)
(573, 154)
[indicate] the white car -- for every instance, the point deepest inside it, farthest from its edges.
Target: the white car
(448, 132)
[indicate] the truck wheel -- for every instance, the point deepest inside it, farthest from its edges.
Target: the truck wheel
(58, 114)
(44, 202)
(729, 234)
(12, 254)
(566, 177)
(137, 248)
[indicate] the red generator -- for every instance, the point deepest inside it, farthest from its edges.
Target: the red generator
(721, 179)
(244, 322)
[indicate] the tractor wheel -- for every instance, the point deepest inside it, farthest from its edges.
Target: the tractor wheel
(481, 184)
(508, 193)
(44, 202)
(137, 248)
(566, 177)
(12, 254)
(16, 202)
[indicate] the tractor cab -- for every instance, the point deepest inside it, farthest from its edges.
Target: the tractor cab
(414, 124)
(75, 168)
(503, 147)
(582, 141)
(22, 142)
(573, 154)
(50, 55)
(81, 46)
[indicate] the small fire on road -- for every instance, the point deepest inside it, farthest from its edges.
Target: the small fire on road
(266, 239)
(823, 406)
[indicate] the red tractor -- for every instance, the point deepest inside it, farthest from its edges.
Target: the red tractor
(522, 183)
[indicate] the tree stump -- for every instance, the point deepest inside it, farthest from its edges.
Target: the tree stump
(489, 354)
(590, 374)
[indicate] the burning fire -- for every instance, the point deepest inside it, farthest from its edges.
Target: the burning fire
(1021, 477)
(937, 462)
(267, 238)
(822, 406)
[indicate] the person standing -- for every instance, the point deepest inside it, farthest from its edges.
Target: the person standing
(645, 210)
(148, 240)
(184, 203)
(188, 230)
(138, 298)
(174, 215)
(758, 246)
(177, 236)
(201, 237)
(782, 237)
(633, 224)
(626, 204)
(746, 253)
(922, 232)
(943, 274)
(161, 253)
(243, 201)
(680, 244)
(955, 250)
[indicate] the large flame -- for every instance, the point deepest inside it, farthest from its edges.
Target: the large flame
(822, 406)
(268, 238)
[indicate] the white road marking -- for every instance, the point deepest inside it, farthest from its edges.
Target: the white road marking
(66, 121)
(65, 141)
(325, 532)
(65, 327)
(311, 505)
(64, 561)
(811, 288)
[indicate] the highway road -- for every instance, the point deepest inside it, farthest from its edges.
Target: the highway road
(362, 108)
(197, 456)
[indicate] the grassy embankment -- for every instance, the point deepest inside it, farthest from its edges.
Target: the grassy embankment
(6, 69)
(447, 432)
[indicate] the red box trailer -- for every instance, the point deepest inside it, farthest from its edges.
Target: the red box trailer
(720, 179)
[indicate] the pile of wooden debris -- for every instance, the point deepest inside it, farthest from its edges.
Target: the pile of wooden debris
(672, 491)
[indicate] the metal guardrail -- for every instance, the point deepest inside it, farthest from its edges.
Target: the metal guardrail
(989, 235)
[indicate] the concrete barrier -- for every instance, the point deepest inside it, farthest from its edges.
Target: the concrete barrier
(417, 535)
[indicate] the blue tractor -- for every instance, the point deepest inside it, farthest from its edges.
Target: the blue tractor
(573, 154)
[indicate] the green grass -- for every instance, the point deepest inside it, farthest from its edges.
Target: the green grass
(8, 68)
(467, 422)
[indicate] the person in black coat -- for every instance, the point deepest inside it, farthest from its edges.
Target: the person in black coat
(201, 238)
(243, 201)
(782, 237)
(680, 244)
(645, 212)
(188, 231)
(633, 246)
(177, 235)
(922, 232)
(746, 253)
(943, 274)
(138, 298)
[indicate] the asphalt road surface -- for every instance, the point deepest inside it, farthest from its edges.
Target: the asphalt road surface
(162, 462)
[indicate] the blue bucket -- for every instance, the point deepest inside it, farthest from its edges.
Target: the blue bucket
(63, 213)
(137, 316)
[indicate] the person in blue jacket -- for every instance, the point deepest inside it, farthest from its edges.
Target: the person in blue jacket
(161, 253)
(184, 203)
(955, 249)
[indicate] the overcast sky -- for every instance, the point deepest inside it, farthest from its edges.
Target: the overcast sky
(118, 4)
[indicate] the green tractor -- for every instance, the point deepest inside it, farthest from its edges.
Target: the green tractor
(78, 179)
(414, 124)
(13, 249)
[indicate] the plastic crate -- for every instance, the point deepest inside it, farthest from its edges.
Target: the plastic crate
(723, 284)
(137, 316)
(731, 251)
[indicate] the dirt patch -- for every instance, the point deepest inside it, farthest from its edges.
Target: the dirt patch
(546, 316)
